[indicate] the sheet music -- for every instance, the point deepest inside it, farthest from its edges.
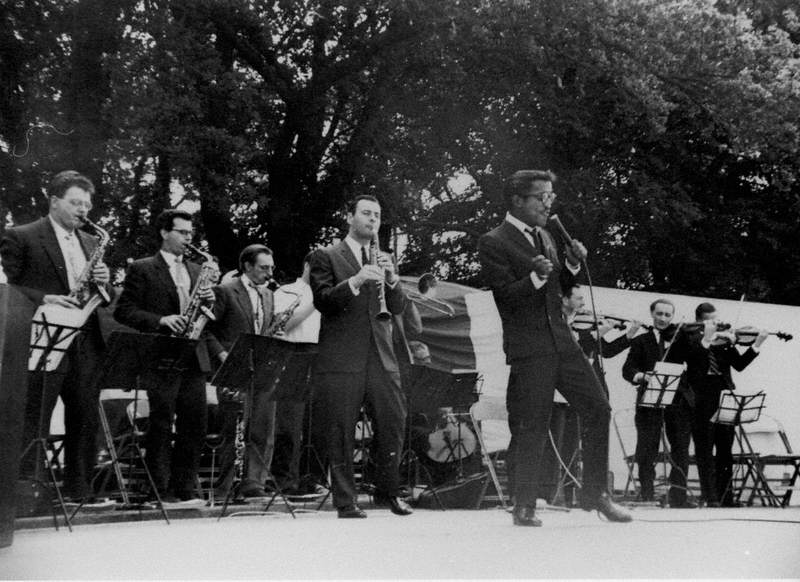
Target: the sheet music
(50, 321)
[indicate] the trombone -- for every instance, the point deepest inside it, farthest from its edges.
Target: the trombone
(425, 285)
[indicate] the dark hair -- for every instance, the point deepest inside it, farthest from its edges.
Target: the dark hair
(566, 290)
(351, 206)
(662, 300)
(65, 180)
(165, 220)
(702, 309)
(520, 182)
(249, 254)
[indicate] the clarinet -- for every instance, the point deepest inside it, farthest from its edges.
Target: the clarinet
(383, 312)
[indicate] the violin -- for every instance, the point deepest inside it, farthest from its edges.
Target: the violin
(584, 320)
(745, 335)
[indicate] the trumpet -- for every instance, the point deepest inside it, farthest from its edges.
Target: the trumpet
(383, 312)
(425, 285)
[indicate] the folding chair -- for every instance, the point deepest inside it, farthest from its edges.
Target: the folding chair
(769, 440)
(624, 425)
(486, 409)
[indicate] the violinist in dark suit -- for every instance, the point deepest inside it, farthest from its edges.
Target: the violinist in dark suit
(356, 362)
(589, 337)
(709, 373)
(245, 305)
(154, 297)
(521, 265)
(45, 259)
(646, 350)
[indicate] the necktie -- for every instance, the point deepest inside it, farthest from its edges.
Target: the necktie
(74, 264)
(364, 258)
(713, 363)
(662, 346)
(258, 315)
(182, 283)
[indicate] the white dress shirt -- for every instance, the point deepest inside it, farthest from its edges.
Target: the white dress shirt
(71, 249)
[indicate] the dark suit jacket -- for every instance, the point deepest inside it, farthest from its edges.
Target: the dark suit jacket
(349, 322)
(33, 262)
(643, 356)
(727, 357)
(533, 323)
(608, 349)
(149, 293)
(234, 314)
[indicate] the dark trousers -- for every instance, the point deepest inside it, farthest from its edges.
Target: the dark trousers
(261, 441)
(676, 419)
(288, 443)
(713, 443)
(341, 396)
(181, 396)
(529, 401)
(72, 380)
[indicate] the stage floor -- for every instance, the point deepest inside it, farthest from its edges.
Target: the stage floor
(661, 543)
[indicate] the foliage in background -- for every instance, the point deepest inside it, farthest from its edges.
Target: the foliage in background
(673, 126)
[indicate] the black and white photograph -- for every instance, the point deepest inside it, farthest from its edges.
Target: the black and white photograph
(399, 289)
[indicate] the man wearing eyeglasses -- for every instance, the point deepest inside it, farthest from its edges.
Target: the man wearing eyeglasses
(154, 297)
(245, 305)
(526, 271)
(44, 260)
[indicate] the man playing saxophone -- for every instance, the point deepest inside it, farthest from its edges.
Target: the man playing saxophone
(157, 292)
(245, 305)
(48, 260)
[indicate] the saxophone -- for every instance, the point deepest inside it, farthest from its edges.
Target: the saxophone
(87, 292)
(196, 313)
(280, 320)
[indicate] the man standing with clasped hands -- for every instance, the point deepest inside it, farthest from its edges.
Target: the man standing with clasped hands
(522, 266)
(356, 362)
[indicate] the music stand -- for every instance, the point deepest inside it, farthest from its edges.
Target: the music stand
(736, 410)
(657, 393)
(258, 363)
(48, 344)
(127, 357)
(661, 386)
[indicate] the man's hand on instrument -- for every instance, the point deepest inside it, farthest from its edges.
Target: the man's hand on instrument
(206, 295)
(223, 355)
(367, 273)
(542, 266)
(386, 263)
(175, 323)
(576, 252)
(639, 378)
(633, 327)
(603, 327)
(763, 334)
(62, 300)
(101, 273)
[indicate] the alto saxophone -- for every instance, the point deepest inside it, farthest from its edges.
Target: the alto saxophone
(87, 291)
(196, 313)
(280, 320)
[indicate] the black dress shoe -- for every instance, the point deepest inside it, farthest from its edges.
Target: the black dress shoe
(524, 515)
(351, 512)
(686, 504)
(395, 504)
(610, 510)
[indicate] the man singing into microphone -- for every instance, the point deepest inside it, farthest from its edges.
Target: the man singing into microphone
(526, 272)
